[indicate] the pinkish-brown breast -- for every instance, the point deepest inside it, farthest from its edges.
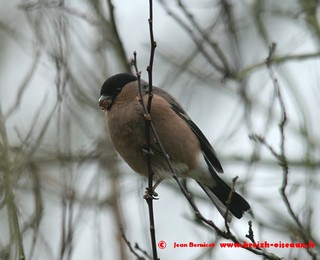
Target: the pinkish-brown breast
(127, 130)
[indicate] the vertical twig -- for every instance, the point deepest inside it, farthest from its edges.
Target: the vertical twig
(149, 193)
(119, 47)
(147, 109)
(149, 198)
(153, 46)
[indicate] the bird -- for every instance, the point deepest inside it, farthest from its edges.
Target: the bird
(190, 153)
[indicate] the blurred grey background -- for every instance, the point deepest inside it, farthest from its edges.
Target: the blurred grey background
(64, 191)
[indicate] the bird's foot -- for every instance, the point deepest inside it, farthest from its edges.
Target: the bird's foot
(150, 194)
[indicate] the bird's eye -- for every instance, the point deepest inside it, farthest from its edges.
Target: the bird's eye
(105, 103)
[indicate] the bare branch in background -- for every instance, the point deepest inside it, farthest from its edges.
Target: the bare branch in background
(130, 246)
(282, 155)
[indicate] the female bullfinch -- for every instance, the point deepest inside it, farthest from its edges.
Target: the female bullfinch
(191, 154)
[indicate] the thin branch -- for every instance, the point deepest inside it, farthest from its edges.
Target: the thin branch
(198, 43)
(276, 60)
(205, 37)
(136, 246)
(231, 23)
(149, 196)
(285, 165)
(118, 45)
(250, 234)
(149, 192)
(153, 46)
(129, 245)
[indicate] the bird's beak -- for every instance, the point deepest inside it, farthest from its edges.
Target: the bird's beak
(105, 102)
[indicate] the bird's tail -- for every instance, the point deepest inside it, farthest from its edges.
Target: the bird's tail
(219, 194)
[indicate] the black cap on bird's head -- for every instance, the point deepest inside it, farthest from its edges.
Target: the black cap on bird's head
(112, 87)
